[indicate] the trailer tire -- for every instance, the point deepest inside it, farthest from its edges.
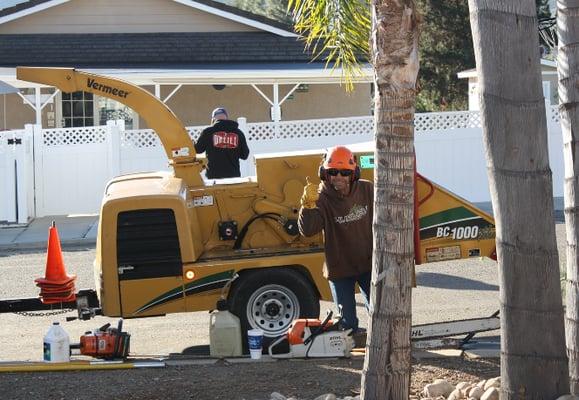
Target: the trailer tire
(270, 299)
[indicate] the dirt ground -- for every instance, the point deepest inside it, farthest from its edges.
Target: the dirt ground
(300, 379)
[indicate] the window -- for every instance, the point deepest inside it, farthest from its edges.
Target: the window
(110, 110)
(77, 109)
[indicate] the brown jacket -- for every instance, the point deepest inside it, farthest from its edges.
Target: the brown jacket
(347, 225)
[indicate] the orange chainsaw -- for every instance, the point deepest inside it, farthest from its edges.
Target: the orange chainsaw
(313, 338)
(106, 342)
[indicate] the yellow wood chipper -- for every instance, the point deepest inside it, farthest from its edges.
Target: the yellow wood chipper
(169, 242)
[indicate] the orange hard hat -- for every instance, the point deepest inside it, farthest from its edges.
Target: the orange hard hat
(339, 157)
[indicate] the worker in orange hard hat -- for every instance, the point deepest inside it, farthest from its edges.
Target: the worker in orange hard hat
(342, 207)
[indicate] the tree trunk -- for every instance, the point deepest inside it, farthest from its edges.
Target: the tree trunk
(568, 70)
(394, 40)
(533, 361)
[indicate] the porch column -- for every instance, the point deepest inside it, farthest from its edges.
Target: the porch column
(38, 106)
(275, 109)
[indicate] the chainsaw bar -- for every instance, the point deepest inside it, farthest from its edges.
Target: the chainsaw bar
(455, 328)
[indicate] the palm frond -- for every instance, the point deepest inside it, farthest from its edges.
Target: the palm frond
(337, 30)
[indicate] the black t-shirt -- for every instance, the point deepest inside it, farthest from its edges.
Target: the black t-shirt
(224, 144)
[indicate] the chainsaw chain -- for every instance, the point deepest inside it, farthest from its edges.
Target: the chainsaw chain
(41, 314)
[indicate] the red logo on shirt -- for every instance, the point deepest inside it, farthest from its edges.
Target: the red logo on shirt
(225, 140)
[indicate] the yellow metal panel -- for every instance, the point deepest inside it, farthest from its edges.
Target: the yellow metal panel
(147, 297)
(205, 272)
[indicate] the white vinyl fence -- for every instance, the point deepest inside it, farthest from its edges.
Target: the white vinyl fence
(16, 177)
(71, 166)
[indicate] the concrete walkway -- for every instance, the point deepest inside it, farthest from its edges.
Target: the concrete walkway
(72, 230)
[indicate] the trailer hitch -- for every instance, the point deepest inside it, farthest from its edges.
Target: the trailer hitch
(86, 304)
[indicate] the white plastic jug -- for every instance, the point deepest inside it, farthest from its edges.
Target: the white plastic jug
(56, 344)
(224, 332)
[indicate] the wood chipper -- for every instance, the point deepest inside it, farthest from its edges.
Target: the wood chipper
(168, 242)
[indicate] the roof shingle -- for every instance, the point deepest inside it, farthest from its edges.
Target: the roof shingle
(118, 50)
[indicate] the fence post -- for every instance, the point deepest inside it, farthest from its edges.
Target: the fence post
(38, 161)
(24, 177)
(114, 131)
(245, 165)
(242, 122)
(6, 201)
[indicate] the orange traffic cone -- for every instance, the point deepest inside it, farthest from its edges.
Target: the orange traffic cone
(57, 285)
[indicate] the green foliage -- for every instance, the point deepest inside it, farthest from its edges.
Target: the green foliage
(274, 9)
(445, 50)
(543, 10)
(339, 31)
(335, 29)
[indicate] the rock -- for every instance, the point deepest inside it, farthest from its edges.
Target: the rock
(481, 384)
(277, 396)
(466, 389)
(440, 387)
(494, 382)
(568, 397)
(491, 393)
(462, 386)
(455, 395)
(327, 396)
(476, 392)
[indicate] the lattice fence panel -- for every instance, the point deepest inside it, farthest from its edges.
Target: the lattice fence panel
(555, 117)
(74, 136)
(325, 128)
(309, 128)
(447, 120)
(260, 131)
(145, 138)
(195, 132)
(140, 138)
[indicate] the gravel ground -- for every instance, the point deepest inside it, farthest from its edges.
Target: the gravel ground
(462, 289)
(250, 381)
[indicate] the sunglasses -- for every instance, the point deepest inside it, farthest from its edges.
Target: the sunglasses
(343, 172)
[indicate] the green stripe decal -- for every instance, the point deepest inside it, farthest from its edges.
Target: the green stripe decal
(446, 216)
(178, 292)
(226, 275)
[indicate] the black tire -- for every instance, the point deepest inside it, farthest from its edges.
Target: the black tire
(258, 298)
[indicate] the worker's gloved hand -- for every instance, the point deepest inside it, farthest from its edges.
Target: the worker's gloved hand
(310, 195)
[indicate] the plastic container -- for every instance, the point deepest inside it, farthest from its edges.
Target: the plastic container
(56, 344)
(224, 332)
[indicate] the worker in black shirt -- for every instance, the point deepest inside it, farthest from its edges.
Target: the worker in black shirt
(224, 143)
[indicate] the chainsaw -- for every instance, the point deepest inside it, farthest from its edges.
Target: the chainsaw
(313, 338)
(106, 342)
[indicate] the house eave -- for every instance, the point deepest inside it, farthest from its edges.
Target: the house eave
(189, 3)
(236, 18)
(237, 75)
(31, 10)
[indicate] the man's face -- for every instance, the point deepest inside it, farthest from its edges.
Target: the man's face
(340, 182)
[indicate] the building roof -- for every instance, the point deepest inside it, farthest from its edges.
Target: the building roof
(167, 50)
(213, 7)
(269, 55)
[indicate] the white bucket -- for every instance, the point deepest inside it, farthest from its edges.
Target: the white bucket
(56, 344)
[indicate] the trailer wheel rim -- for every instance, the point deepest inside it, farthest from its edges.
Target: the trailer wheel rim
(272, 308)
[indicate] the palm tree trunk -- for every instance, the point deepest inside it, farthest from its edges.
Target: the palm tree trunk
(533, 361)
(394, 40)
(568, 70)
